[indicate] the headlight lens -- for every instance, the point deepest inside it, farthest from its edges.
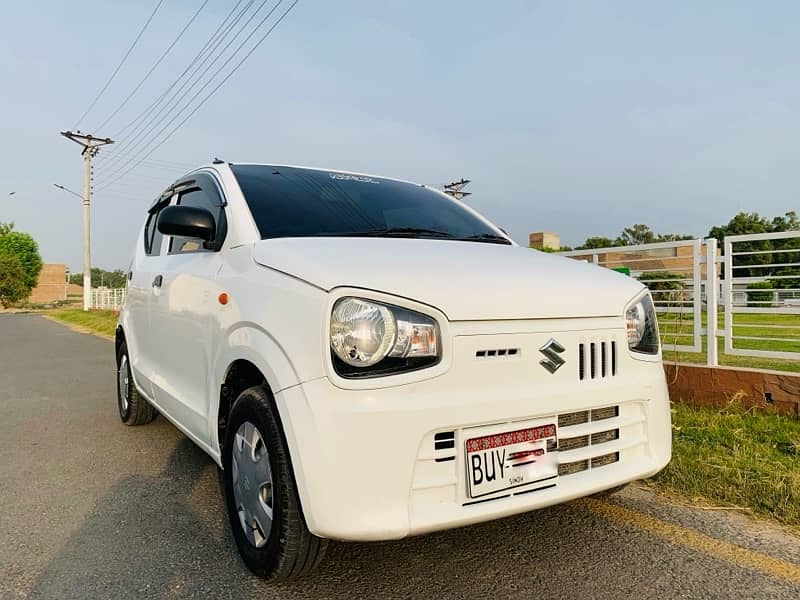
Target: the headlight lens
(371, 338)
(642, 326)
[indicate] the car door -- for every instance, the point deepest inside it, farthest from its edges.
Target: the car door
(181, 314)
(145, 263)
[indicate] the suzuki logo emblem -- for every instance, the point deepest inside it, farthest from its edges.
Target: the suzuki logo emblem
(552, 349)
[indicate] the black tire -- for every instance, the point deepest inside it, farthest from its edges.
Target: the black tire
(137, 410)
(610, 491)
(290, 550)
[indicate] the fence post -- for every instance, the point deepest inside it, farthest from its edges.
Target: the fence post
(697, 300)
(728, 294)
(712, 292)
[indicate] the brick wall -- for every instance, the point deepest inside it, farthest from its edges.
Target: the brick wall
(716, 386)
(51, 285)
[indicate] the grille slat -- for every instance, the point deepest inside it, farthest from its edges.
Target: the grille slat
(609, 412)
(573, 443)
(606, 459)
(605, 436)
(573, 467)
(574, 418)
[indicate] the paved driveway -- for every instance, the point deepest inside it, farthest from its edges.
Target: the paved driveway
(92, 509)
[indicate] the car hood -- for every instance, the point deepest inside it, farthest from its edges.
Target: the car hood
(467, 281)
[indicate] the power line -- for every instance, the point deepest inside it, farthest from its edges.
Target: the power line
(186, 70)
(173, 105)
(155, 65)
(119, 66)
(157, 119)
(216, 88)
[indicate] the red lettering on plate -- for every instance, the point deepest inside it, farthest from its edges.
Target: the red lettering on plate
(497, 440)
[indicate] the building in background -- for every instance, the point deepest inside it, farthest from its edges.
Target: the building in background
(51, 286)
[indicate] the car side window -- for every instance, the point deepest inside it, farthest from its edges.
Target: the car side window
(152, 236)
(206, 196)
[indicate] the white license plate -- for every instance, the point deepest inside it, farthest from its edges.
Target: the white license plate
(498, 460)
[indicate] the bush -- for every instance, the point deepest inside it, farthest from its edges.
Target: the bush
(759, 294)
(12, 280)
(666, 291)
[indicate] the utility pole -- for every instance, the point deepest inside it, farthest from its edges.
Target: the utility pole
(90, 145)
(456, 189)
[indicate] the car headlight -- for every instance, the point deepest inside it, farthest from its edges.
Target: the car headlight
(370, 339)
(642, 326)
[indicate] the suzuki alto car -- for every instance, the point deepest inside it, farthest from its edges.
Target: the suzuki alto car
(368, 359)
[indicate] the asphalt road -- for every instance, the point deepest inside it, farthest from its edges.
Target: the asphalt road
(92, 509)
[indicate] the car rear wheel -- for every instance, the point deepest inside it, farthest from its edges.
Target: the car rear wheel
(261, 495)
(133, 408)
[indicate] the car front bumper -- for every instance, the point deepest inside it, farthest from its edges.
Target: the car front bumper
(366, 462)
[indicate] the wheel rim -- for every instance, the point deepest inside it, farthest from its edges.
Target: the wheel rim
(123, 382)
(252, 483)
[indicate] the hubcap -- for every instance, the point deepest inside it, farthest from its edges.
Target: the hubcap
(252, 483)
(123, 382)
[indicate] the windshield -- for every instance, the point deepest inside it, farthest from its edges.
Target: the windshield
(295, 202)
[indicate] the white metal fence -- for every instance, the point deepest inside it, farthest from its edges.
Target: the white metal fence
(675, 273)
(756, 295)
(108, 298)
(761, 295)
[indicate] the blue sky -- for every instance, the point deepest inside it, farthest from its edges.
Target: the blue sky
(574, 117)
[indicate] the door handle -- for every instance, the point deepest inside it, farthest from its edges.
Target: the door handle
(157, 281)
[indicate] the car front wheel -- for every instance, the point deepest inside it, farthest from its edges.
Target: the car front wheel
(133, 408)
(261, 495)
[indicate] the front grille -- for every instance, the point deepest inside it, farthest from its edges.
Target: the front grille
(597, 360)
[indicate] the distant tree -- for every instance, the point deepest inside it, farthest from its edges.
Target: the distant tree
(5, 227)
(673, 237)
(637, 234)
(550, 250)
(750, 223)
(742, 223)
(595, 242)
(12, 280)
(111, 279)
(24, 247)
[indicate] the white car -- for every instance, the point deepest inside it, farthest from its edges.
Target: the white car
(368, 359)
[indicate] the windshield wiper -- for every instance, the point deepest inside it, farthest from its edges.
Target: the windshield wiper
(491, 238)
(391, 232)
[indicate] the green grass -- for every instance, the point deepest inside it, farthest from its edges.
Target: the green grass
(100, 321)
(785, 327)
(736, 457)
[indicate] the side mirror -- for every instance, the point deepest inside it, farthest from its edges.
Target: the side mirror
(187, 221)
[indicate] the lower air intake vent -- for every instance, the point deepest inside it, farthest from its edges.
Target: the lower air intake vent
(578, 422)
(444, 446)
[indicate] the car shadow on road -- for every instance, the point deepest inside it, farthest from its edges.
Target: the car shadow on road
(166, 535)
